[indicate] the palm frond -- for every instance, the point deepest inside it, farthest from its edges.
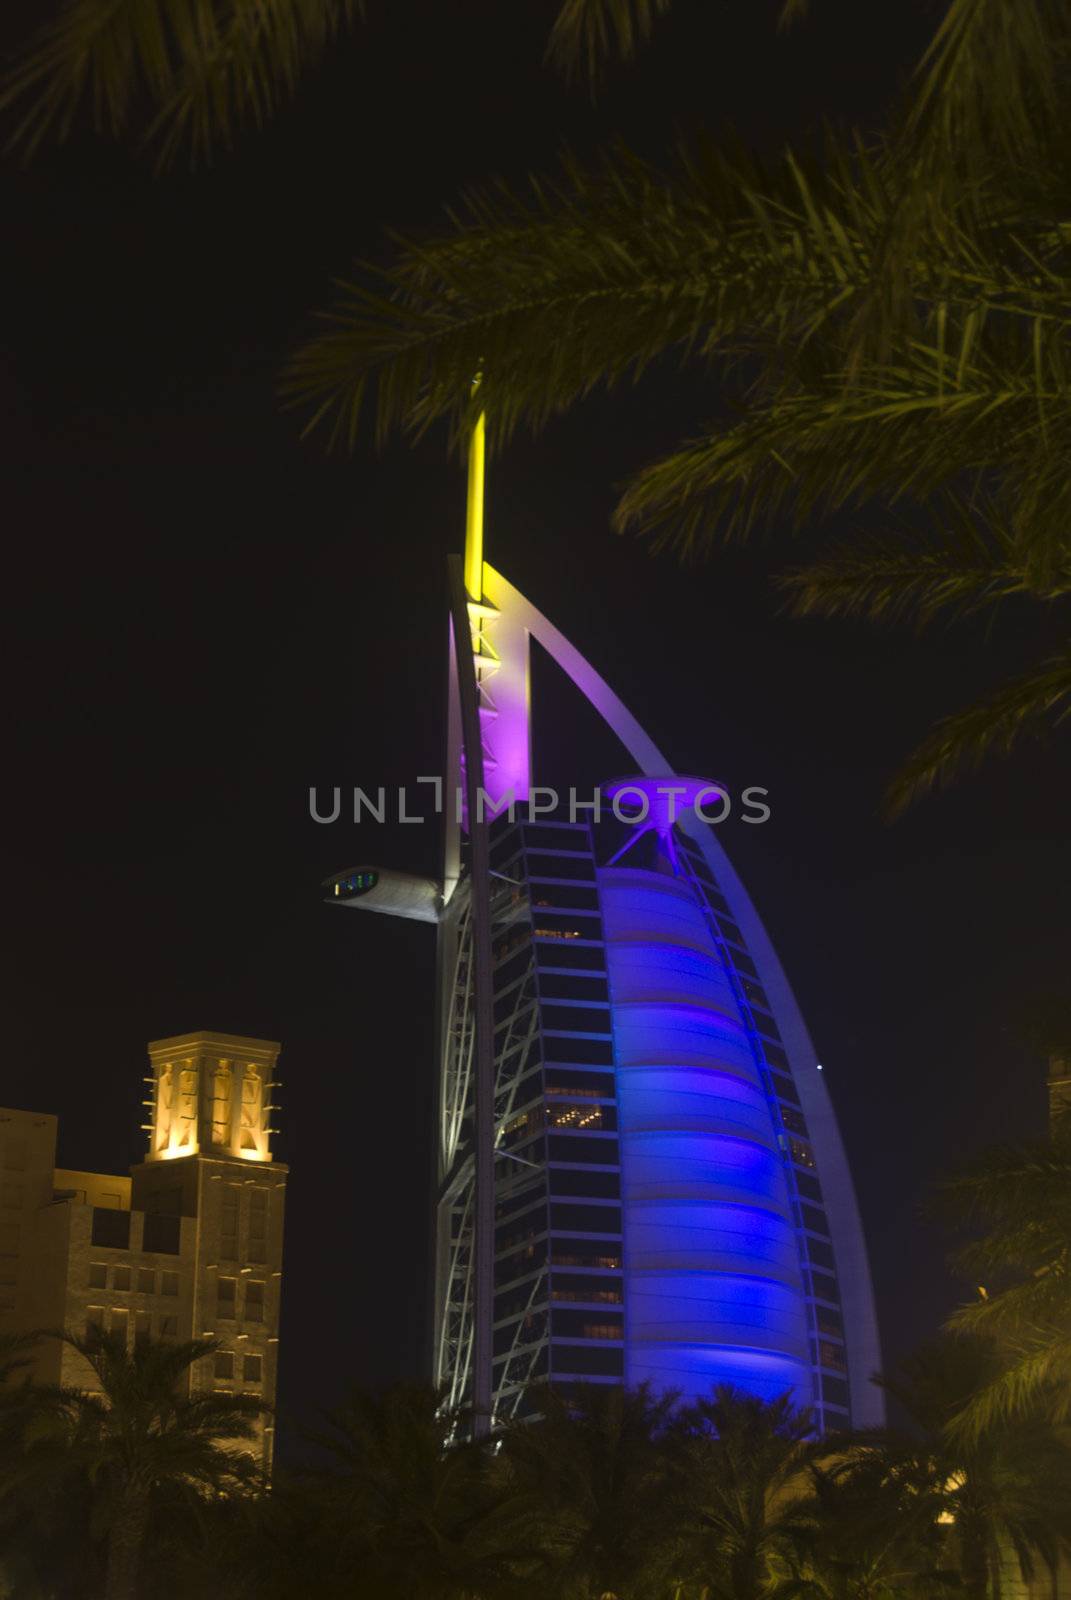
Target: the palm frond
(968, 561)
(989, 79)
(558, 288)
(992, 726)
(202, 67)
(587, 33)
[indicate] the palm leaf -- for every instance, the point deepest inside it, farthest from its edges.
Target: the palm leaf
(962, 741)
(968, 561)
(204, 67)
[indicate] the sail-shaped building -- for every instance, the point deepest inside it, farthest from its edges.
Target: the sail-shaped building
(640, 1175)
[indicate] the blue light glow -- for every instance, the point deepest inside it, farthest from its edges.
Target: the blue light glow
(713, 1287)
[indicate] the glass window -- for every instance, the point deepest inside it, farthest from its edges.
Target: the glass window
(809, 1187)
(834, 1391)
(585, 1253)
(252, 1369)
(142, 1328)
(829, 1321)
(825, 1287)
(121, 1278)
(576, 1019)
(765, 1025)
(169, 1283)
(571, 896)
(226, 1296)
(111, 1228)
(586, 1325)
(597, 1152)
(831, 1355)
(582, 1117)
(606, 1362)
(585, 1181)
(585, 1052)
(586, 1219)
(744, 963)
(801, 1153)
(730, 931)
(223, 1364)
(98, 1275)
(258, 1225)
(564, 837)
(775, 1056)
(146, 1280)
(566, 925)
(120, 1323)
(592, 1290)
(557, 953)
(228, 1222)
(94, 1319)
(547, 864)
(254, 1300)
(579, 1085)
(821, 1254)
(794, 1120)
(815, 1219)
(162, 1234)
(785, 1088)
(570, 986)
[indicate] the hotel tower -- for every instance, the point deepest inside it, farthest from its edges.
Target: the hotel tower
(640, 1176)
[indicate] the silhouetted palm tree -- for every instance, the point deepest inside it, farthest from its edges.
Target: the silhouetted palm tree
(586, 1487)
(411, 1511)
(1002, 1491)
(138, 1437)
(740, 1481)
(1016, 1201)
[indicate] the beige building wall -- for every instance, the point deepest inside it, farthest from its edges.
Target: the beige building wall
(189, 1246)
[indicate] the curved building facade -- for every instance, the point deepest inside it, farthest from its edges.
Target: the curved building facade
(640, 1177)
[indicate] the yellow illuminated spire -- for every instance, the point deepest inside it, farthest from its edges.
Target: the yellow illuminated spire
(474, 512)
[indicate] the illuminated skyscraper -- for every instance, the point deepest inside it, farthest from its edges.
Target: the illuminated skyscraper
(640, 1173)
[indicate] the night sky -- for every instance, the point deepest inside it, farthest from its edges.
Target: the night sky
(205, 616)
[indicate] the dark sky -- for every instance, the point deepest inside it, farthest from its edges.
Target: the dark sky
(205, 617)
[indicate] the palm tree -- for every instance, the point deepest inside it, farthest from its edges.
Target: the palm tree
(190, 74)
(883, 322)
(1001, 1490)
(408, 1510)
(139, 1437)
(865, 1533)
(1016, 1201)
(740, 1469)
(585, 1487)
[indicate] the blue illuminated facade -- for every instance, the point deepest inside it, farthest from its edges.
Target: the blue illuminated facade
(639, 1177)
(660, 1214)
